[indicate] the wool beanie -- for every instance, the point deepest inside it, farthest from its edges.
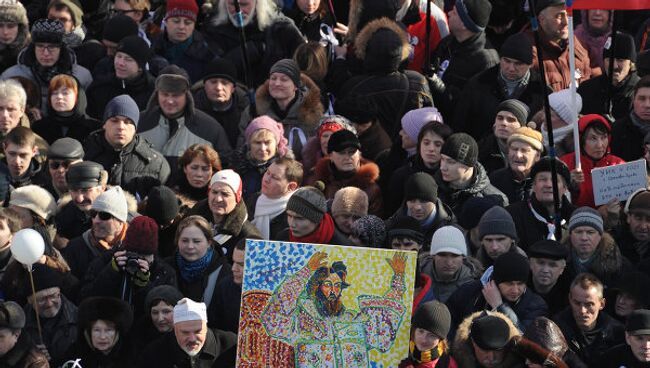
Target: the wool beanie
(289, 68)
(518, 47)
(586, 216)
(406, 227)
(517, 108)
(182, 8)
(334, 123)
(544, 165)
(434, 317)
(266, 122)
(528, 135)
(414, 120)
(231, 179)
(166, 293)
(350, 200)
(137, 48)
(75, 8)
(371, 230)
(48, 31)
(560, 102)
(341, 140)
(142, 236)
(421, 186)
(45, 277)
(13, 11)
(188, 310)
(462, 148)
(474, 208)
(122, 105)
(497, 221)
(448, 239)
(112, 201)
(173, 78)
(511, 266)
(474, 14)
(35, 199)
(119, 27)
(309, 203)
(490, 332)
(639, 203)
(162, 205)
(221, 68)
(625, 47)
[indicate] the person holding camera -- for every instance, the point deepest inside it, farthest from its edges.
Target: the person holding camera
(133, 269)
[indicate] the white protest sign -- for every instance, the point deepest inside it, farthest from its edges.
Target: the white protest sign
(618, 181)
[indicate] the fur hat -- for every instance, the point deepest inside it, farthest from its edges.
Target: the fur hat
(529, 136)
(350, 200)
(48, 30)
(45, 277)
(107, 309)
(35, 199)
(309, 203)
(142, 236)
(173, 78)
(11, 315)
(231, 179)
(112, 201)
(13, 11)
(490, 332)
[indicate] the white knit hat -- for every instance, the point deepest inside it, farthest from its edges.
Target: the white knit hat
(35, 199)
(231, 179)
(112, 201)
(448, 239)
(188, 310)
(560, 102)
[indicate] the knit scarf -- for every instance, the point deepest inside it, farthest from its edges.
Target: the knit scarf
(267, 209)
(644, 127)
(513, 89)
(420, 357)
(322, 235)
(558, 133)
(191, 271)
(103, 244)
(175, 51)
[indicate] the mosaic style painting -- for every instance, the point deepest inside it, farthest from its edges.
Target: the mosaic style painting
(309, 305)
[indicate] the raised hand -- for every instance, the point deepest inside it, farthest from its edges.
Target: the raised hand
(398, 263)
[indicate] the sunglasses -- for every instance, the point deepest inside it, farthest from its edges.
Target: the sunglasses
(104, 216)
(54, 165)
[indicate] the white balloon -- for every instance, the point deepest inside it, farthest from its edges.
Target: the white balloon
(27, 246)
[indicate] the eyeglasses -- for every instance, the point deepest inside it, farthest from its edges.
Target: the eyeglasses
(104, 216)
(47, 47)
(54, 165)
(123, 12)
(45, 298)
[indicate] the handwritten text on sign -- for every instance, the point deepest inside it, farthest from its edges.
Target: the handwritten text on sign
(618, 181)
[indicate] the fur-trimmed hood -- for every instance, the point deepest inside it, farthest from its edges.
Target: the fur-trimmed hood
(608, 260)
(382, 45)
(462, 348)
(233, 222)
(305, 112)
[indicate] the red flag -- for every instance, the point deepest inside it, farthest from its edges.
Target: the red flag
(611, 4)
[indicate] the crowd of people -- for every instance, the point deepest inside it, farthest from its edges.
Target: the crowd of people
(147, 140)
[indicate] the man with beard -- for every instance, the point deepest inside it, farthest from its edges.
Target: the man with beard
(192, 344)
(308, 304)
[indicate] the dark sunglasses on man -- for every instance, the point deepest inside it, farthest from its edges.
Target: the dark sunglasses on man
(104, 216)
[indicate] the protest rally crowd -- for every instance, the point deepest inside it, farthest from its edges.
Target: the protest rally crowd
(146, 140)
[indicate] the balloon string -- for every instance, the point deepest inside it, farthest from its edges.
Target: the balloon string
(38, 318)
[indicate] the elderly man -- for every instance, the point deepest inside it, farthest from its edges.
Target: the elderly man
(17, 350)
(108, 214)
(58, 315)
(13, 101)
(128, 158)
(62, 153)
(192, 343)
(171, 123)
(636, 350)
(525, 147)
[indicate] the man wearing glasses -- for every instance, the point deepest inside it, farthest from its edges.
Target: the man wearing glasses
(69, 13)
(62, 153)
(109, 215)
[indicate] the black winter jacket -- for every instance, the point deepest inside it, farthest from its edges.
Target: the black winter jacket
(480, 187)
(516, 191)
(594, 93)
(75, 125)
(627, 139)
(229, 118)
(107, 86)
(194, 59)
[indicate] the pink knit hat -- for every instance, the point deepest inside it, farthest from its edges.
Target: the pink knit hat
(265, 122)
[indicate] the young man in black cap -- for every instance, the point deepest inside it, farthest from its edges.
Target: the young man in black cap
(172, 124)
(635, 353)
(429, 328)
(461, 176)
(496, 231)
(633, 231)
(594, 91)
(548, 279)
(222, 98)
(16, 349)
(62, 153)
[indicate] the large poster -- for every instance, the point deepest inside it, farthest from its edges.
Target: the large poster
(309, 305)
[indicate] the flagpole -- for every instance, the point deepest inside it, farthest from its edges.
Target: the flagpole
(573, 82)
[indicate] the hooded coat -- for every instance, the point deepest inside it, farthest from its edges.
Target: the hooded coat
(479, 187)
(9, 53)
(585, 195)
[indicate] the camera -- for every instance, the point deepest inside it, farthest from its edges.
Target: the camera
(132, 266)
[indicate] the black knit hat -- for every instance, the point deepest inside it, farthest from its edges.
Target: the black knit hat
(544, 165)
(511, 266)
(48, 30)
(517, 108)
(518, 47)
(490, 332)
(495, 221)
(119, 27)
(341, 140)
(162, 205)
(434, 317)
(421, 186)
(166, 293)
(549, 249)
(405, 226)
(137, 48)
(221, 68)
(474, 14)
(309, 203)
(289, 68)
(474, 208)
(462, 148)
(625, 47)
